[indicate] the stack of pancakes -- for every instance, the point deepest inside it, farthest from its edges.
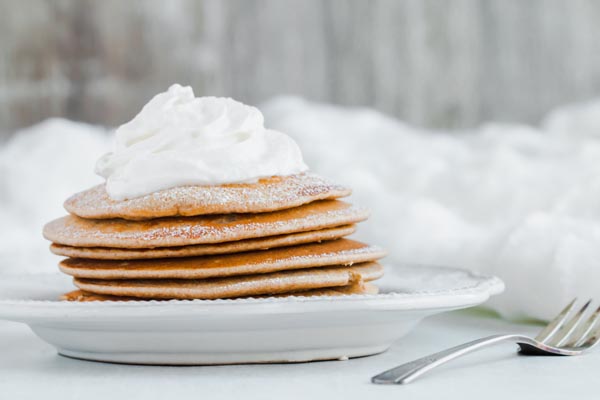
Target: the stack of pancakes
(279, 236)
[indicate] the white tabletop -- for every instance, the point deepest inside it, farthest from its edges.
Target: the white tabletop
(30, 368)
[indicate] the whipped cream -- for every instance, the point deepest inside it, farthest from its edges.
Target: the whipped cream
(179, 139)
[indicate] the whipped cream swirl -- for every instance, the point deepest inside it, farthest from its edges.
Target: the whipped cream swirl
(179, 139)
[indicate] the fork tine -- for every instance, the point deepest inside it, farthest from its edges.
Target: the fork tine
(583, 333)
(593, 336)
(563, 334)
(555, 324)
(593, 339)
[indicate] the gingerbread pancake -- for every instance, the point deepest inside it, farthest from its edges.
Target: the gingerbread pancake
(358, 288)
(239, 286)
(184, 231)
(333, 252)
(108, 253)
(270, 194)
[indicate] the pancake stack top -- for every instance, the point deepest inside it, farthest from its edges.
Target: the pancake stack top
(279, 236)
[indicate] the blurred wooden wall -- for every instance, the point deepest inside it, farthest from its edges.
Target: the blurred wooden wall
(434, 63)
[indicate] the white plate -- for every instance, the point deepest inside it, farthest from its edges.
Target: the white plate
(240, 331)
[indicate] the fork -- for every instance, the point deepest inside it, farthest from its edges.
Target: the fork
(569, 334)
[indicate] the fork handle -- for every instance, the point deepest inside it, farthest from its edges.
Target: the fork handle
(408, 372)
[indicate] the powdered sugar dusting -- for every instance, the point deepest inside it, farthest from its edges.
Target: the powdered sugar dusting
(278, 282)
(74, 231)
(270, 194)
(266, 243)
(341, 252)
(345, 257)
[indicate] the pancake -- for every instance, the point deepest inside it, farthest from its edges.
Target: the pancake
(270, 194)
(108, 253)
(358, 288)
(239, 286)
(207, 229)
(333, 252)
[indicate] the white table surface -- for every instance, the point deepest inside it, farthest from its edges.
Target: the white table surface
(30, 368)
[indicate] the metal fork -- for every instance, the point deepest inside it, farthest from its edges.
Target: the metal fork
(569, 334)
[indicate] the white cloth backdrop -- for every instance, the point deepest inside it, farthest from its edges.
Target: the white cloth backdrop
(520, 202)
